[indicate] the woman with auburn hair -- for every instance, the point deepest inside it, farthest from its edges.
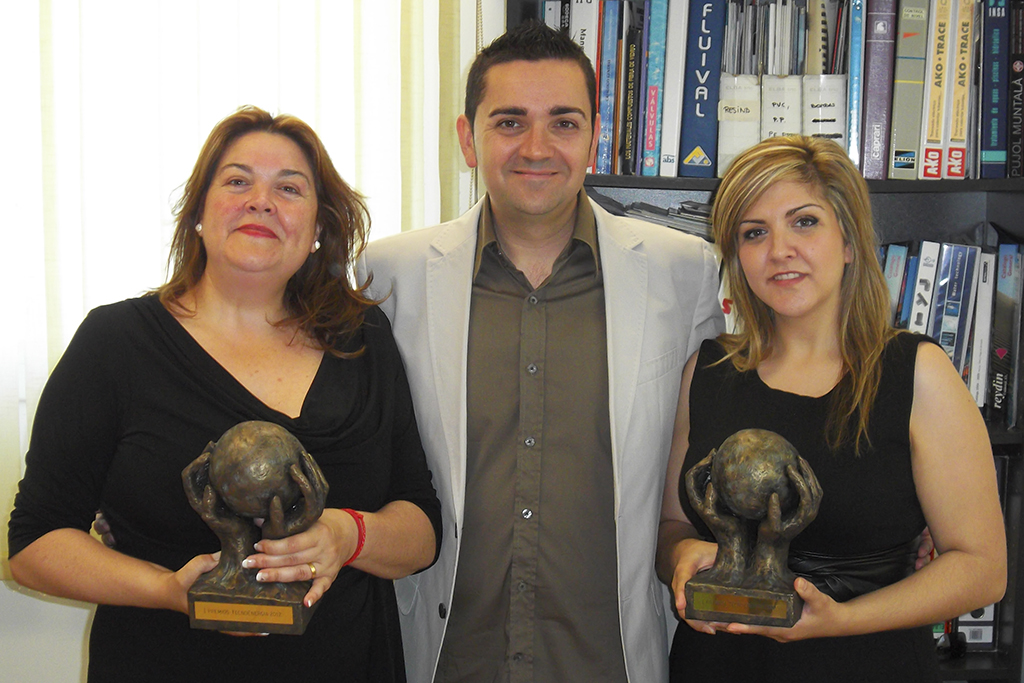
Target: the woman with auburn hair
(883, 418)
(258, 321)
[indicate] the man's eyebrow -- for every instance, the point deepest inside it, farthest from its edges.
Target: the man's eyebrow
(561, 111)
(508, 111)
(554, 111)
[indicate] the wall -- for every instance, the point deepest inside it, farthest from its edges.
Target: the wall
(42, 638)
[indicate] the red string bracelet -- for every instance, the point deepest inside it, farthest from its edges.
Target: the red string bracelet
(361, 525)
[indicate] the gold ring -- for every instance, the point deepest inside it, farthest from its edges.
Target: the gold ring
(312, 569)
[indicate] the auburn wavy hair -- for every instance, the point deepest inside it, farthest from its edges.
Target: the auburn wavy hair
(320, 297)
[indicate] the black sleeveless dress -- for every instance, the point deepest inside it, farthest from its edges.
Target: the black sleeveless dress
(869, 515)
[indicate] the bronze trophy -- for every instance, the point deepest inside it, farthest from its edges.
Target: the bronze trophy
(255, 482)
(756, 494)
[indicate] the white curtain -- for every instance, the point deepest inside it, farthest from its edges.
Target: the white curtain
(105, 103)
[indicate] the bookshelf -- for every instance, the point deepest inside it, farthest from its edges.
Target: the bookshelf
(939, 210)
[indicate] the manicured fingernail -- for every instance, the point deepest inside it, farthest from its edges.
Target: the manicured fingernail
(248, 564)
(260, 576)
(257, 547)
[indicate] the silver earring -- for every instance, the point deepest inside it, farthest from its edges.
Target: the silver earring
(199, 228)
(316, 245)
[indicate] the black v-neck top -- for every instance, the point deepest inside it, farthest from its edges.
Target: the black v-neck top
(869, 512)
(133, 401)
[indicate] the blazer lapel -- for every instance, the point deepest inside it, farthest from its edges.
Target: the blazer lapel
(449, 287)
(625, 293)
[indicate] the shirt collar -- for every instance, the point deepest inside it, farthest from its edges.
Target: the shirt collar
(584, 230)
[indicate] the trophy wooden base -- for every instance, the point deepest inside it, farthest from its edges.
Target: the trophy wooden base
(275, 608)
(714, 602)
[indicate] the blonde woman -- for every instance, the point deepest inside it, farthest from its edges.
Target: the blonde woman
(882, 417)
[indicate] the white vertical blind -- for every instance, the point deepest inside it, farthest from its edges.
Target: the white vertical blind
(105, 104)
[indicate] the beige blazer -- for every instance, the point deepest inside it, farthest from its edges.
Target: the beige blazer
(661, 294)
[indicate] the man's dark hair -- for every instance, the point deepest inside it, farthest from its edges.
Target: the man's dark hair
(530, 41)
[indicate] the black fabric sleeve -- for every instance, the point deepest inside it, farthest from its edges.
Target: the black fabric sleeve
(411, 479)
(74, 436)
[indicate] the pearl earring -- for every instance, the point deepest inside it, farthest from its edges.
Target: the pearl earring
(316, 245)
(199, 228)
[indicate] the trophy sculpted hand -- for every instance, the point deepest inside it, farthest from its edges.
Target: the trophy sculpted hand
(313, 488)
(776, 527)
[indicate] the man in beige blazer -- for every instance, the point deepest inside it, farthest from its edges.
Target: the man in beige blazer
(544, 340)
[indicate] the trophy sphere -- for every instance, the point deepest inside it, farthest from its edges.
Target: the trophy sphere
(749, 467)
(250, 466)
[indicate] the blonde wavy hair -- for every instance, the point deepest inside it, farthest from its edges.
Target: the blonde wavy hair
(864, 327)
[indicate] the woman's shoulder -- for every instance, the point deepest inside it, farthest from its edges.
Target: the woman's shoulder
(119, 318)
(710, 365)
(909, 341)
(374, 334)
(904, 346)
(711, 351)
(908, 356)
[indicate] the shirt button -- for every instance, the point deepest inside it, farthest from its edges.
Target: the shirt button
(442, 611)
(517, 657)
(530, 442)
(532, 368)
(527, 513)
(532, 299)
(521, 586)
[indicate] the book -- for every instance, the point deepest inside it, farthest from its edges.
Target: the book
(895, 265)
(833, 29)
(879, 53)
(632, 64)
(994, 91)
(585, 27)
(978, 628)
(655, 85)
(939, 293)
(816, 61)
(824, 107)
(608, 86)
(961, 293)
(1015, 98)
(739, 117)
(1002, 356)
(957, 119)
(1013, 391)
(908, 89)
(566, 23)
(855, 73)
(675, 72)
(620, 90)
(699, 136)
(641, 93)
(982, 328)
(907, 292)
(924, 287)
(933, 121)
(553, 14)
